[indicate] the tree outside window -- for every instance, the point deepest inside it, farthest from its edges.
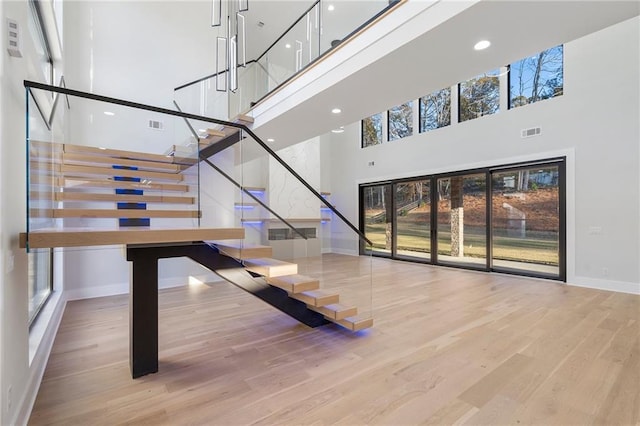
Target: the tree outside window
(536, 77)
(480, 96)
(372, 130)
(435, 110)
(401, 121)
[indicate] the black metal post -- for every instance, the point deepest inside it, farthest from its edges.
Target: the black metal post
(143, 316)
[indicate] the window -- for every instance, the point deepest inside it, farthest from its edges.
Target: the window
(376, 202)
(40, 262)
(462, 220)
(526, 219)
(536, 78)
(372, 130)
(40, 41)
(507, 218)
(401, 121)
(435, 110)
(479, 96)
(413, 219)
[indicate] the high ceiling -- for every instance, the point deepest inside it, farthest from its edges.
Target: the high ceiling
(409, 65)
(266, 20)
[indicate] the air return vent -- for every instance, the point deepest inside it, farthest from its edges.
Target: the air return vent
(527, 133)
(156, 125)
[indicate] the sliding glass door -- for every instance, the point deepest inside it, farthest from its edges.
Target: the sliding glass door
(506, 219)
(462, 219)
(376, 202)
(526, 212)
(413, 219)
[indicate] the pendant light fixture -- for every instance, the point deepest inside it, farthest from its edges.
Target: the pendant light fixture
(231, 49)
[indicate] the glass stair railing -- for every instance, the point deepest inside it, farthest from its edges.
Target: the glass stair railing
(141, 169)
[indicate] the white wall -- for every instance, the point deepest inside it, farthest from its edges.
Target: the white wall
(595, 123)
(156, 47)
(287, 196)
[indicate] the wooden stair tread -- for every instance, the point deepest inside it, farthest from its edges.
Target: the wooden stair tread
(244, 251)
(82, 237)
(291, 220)
(114, 213)
(84, 182)
(72, 158)
(73, 170)
(268, 267)
(354, 323)
(335, 311)
(246, 119)
(212, 133)
(317, 298)
(254, 188)
(117, 153)
(123, 198)
(294, 283)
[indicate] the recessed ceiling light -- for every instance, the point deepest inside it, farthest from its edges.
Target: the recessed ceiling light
(288, 46)
(330, 8)
(336, 110)
(339, 130)
(271, 140)
(482, 44)
(109, 113)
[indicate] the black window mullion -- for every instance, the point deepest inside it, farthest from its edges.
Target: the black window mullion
(562, 243)
(434, 220)
(489, 219)
(394, 221)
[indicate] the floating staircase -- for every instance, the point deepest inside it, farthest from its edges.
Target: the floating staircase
(211, 137)
(71, 181)
(284, 275)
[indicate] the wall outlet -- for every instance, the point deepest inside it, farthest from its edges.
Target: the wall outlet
(605, 272)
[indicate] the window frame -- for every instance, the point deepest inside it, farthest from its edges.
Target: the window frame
(487, 171)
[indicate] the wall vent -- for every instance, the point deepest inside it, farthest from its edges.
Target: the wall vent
(156, 125)
(13, 38)
(527, 133)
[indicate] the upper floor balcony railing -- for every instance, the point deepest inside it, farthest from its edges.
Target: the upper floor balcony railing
(321, 29)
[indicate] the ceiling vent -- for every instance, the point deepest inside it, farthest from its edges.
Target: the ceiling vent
(527, 133)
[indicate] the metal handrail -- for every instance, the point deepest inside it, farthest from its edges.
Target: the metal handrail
(236, 183)
(70, 92)
(392, 3)
(259, 57)
(49, 121)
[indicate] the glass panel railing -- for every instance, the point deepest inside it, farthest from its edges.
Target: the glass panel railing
(115, 166)
(293, 217)
(135, 165)
(321, 28)
(203, 98)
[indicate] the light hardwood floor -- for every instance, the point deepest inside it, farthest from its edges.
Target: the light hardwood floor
(447, 347)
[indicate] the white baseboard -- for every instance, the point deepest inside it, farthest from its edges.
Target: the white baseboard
(44, 333)
(345, 252)
(609, 285)
(123, 288)
(92, 292)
